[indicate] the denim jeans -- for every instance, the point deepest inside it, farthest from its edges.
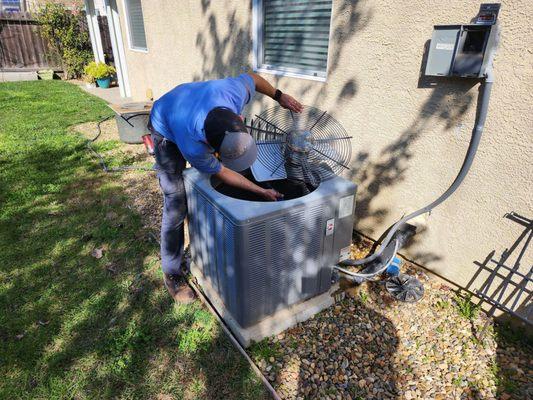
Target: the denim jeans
(170, 165)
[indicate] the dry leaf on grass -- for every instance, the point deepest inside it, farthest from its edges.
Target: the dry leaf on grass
(111, 215)
(98, 252)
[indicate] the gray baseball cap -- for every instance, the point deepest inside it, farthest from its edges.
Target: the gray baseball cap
(238, 151)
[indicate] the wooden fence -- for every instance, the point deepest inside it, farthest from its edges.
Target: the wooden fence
(106, 40)
(22, 45)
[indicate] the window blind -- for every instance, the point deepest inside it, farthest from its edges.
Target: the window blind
(296, 35)
(136, 24)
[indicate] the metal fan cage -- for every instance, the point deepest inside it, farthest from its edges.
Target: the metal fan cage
(314, 134)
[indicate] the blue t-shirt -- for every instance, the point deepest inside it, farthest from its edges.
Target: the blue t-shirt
(180, 115)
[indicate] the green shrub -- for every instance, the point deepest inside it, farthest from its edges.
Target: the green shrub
(99, 70)
(63, 29)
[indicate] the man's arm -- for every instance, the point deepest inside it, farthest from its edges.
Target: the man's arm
(264, 87)
(235, 179)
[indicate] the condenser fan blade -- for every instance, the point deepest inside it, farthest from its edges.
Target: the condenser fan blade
(313, 136)
(269, 165)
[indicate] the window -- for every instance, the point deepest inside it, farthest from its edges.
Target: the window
(292, 36)
(134, 16)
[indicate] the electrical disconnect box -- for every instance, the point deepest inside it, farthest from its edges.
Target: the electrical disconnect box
(464, 50)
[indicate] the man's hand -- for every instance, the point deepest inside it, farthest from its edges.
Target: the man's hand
(235, 179)
(286, 101)
(271, 194)
(290, 103)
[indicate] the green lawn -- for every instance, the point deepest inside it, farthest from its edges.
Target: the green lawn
(72, 325)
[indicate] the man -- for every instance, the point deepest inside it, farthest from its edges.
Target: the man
(200, 123)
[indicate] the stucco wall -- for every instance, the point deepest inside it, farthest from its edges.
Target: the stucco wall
(409, 139)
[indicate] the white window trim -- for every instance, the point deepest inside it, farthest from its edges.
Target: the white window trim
(127, 23)
(257, 64)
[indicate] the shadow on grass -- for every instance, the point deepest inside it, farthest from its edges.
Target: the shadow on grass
(74, 324)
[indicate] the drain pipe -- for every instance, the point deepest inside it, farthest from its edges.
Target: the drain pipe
(485, 91)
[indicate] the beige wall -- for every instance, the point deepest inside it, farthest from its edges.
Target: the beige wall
(409, 140)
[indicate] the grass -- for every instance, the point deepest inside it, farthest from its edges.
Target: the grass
(465, 307)
(263, 350)
(73, 325)
(363, 296)
(504, 379)
(443, 304)
(457, 381)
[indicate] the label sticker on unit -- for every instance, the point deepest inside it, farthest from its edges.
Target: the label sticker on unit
(345, 253)
(330, 226)
(445, 46)
(346, 206)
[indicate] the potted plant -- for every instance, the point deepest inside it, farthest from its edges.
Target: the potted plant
(89, 81)
(101, 72)
(46, 74)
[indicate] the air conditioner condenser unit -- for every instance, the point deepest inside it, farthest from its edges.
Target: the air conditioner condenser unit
(255, 259)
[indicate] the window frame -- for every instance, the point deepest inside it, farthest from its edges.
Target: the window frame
(257, 58)
(128, 29)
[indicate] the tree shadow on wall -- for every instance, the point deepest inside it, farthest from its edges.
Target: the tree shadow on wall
(231, 53)
(449, 101)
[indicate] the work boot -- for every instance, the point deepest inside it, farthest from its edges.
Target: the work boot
(178, 289)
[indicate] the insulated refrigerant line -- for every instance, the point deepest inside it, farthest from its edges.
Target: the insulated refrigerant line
(477, 132)
(371, 274)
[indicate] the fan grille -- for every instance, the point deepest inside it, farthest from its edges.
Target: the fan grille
(312, 135)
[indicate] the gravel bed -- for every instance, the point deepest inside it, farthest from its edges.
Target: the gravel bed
(368, 346)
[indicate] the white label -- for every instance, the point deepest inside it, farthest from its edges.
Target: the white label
(346, 206)
(445, 46)
(344, 254)
(330, 226)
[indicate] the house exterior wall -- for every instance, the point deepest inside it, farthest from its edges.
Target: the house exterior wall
(409, 138)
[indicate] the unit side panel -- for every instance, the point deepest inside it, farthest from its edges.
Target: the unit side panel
(209, 239)
(323, 281)
(194, 219)
(228, 273)
(283, 261)
(253, 267)
(313, 244)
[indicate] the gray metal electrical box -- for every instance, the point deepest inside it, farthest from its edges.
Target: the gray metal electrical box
(464, 50)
